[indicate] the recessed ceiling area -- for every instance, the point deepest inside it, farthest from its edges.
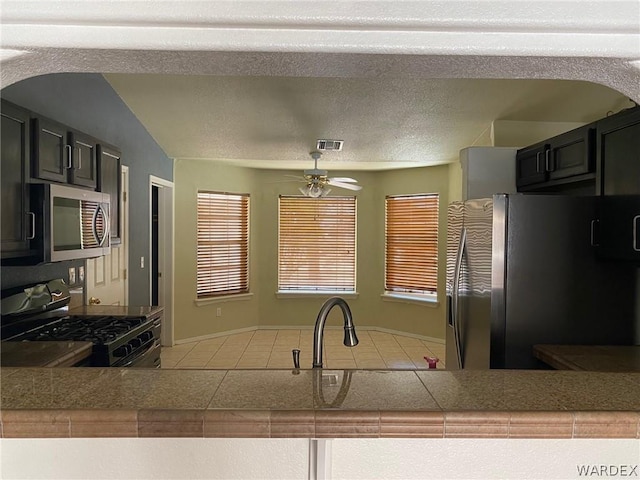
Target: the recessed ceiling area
(274, 122)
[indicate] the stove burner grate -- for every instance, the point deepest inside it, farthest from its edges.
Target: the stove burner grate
(99, 330)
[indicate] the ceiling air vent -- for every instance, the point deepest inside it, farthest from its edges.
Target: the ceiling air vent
(324, 145)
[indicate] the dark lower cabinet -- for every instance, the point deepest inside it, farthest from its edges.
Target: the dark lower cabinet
(110, 181)
(18, 222)
(619, 237)
(618, 155)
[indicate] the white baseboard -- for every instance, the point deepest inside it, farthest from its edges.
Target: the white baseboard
(306, 327)
(215, 335)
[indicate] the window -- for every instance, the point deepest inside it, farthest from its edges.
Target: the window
(223, 244)
(411, 244)
(317, 244)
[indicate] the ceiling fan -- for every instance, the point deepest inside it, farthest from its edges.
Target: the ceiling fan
(318, 182)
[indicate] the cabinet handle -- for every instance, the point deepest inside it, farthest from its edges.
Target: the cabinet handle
(593, 233)
(547, 161)
(635, 233)
(33, 226)
(538, 162)
(69, 156)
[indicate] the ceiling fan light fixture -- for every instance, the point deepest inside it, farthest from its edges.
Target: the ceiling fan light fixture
(314, 190)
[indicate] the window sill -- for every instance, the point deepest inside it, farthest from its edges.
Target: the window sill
(201, 302)
(425, 300)
(290, 294)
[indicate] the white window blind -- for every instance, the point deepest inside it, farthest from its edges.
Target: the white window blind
(223, 244)
(411, 243)
(317, 244)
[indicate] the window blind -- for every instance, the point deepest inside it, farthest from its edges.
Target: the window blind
(223, 244)
(411, 243)
(317, 244)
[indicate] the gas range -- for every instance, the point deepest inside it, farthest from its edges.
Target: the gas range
(118, 340)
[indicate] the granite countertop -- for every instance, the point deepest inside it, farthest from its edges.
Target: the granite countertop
(130, 311)
(111, 402)
(43, 354)
(596, 358)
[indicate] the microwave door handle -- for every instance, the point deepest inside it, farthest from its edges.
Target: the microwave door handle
(94, 226)
(107, 226)
(32, 234)
(455, 296)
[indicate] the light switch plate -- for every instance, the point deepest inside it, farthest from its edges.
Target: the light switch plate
(72, 275)
(81, 274)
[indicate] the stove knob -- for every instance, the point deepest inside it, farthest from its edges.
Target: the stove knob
(120, 351)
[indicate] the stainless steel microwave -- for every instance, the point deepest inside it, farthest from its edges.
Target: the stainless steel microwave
(74, 223)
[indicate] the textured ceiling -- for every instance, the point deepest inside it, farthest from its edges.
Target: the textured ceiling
(273, 122)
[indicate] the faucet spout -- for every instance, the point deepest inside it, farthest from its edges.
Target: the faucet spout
(350, 338)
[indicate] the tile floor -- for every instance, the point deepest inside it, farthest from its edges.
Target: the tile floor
(272, 349)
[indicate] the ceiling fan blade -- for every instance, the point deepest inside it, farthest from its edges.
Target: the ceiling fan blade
(296, 177)
(343, 179)
(348, 186)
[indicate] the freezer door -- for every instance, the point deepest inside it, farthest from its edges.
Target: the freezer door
(469, 240)
(474, 305)
(455, 220)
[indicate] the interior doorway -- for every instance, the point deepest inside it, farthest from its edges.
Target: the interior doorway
(161, 252)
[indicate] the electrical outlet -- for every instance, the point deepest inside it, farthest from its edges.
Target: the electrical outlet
(72, 275)
(218, 312)
(141, 262)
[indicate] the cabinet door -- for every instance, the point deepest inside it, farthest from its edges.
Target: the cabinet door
(83, 169)
(571, 154)
(530, 165)
(618, 151)
(109, 181)
(620, 227)
(51, 157)
(17, 221)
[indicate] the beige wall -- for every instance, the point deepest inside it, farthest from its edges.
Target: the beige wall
(190, 320)
(265, 308)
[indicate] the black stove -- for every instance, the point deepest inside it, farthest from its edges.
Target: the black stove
(118, 341)
(99, 330)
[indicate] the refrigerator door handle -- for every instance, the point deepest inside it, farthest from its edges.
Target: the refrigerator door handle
(594, 241)
(455, 296)
(635, 233)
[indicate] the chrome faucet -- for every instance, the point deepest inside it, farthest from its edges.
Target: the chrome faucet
(350, 339)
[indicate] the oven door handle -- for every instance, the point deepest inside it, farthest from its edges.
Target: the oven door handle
(152, 345)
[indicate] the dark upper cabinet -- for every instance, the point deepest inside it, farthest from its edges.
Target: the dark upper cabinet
(618, 157)
(572, 154)
(63, 155)
(530, 163)
(557, 164)
(18, 222)
(83, 171)
(50, 153)
(110, 181)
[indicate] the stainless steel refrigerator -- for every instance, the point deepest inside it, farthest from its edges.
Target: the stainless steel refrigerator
(522, 270)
